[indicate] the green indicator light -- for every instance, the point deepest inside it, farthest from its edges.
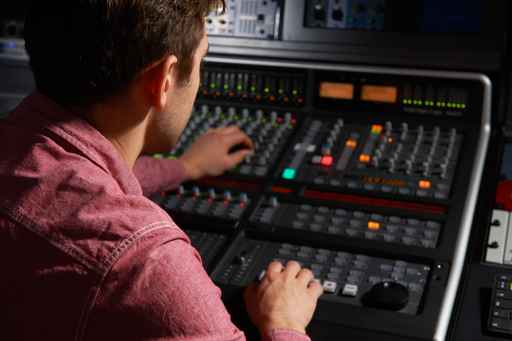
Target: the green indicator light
(172, 157)
(158, 156)
(463, 106)
(267, 90)
(420, 102)
(239, 88)
(226, 87)
(253, 88)
(295, 92)
(280, 91)
(289, 174)
(213, 85)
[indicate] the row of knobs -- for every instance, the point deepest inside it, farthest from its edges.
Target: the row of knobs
(227, 196)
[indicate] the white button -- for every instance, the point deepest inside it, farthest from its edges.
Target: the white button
(311, 148)
(350, 290)
(330, 287)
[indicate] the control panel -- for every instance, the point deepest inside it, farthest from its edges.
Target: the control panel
(258, 19)
(345, 222)
(394, 158)
(269, 131)
(363, 175)
(194, 205)
(346, 14)
(348, 278)
(254, 86)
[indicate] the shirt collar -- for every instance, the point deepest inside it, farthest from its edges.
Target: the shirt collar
(83, 136)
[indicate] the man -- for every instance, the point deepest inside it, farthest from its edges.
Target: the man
(84, 255)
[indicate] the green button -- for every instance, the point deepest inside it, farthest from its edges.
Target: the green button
(289, 174)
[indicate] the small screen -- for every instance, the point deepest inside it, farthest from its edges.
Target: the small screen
(408, 16)
(379, 93)
(337, 90)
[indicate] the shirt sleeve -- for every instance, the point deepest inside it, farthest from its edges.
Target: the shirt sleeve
(158, 175)
(164, 295)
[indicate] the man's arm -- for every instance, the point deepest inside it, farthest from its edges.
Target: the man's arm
(209, 155)
(163, 293)
(159, 175)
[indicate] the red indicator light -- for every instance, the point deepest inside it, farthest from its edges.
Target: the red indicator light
(327, 161)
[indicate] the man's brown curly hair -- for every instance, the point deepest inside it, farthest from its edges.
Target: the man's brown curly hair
(84, 51)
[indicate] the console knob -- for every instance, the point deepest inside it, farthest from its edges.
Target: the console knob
(273, 202)
(227, 195)
(196, 191)
(244, 198)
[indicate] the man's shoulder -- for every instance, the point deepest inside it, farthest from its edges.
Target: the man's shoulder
(88, 210)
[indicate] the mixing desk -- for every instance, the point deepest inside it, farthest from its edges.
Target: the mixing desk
(269, 131)
(397, 159)
(363, 176)
(346, 277)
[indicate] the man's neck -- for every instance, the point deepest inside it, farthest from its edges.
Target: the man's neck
(123, 123)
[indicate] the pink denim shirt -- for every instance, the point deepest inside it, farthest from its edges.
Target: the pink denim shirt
(84, 255)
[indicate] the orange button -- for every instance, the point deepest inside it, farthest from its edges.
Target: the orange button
(364, 158)
(351, 144)
(425, 184)
(373, 225)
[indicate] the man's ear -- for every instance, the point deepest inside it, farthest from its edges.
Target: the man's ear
(159, 79)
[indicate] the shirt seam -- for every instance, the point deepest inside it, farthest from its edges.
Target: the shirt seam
(111, 260)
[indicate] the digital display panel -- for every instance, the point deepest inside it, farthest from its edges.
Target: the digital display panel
(337, 90)
(379, 93)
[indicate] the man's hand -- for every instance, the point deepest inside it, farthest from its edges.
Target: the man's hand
(286, 298)
(210, 154)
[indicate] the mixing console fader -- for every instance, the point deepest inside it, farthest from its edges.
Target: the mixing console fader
(396, 159)
(269, 131)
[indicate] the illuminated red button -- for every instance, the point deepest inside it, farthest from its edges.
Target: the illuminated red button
(327, 161)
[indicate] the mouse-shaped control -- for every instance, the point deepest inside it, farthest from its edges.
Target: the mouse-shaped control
(386, 295)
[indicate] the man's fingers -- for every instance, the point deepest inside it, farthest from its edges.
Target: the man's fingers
(238, 138)
(237, 157)
(274, 269)
(292, 269)
(305, 276)
(315, 288)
